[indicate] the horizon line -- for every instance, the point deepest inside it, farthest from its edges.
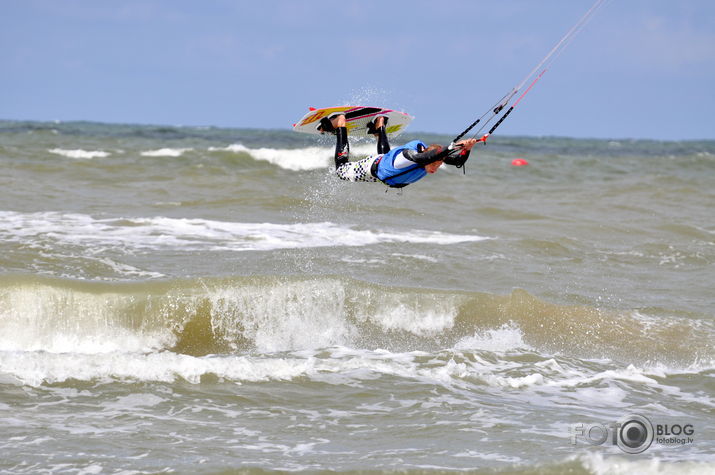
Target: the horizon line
(289, 129)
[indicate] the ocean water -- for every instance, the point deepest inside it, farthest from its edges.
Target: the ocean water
(205, 300)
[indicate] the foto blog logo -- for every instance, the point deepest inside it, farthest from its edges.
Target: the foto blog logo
(633, 434)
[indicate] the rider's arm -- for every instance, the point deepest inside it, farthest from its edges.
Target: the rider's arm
(422, 158)
(456, 156)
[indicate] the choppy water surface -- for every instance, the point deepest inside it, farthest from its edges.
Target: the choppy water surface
(206, 300)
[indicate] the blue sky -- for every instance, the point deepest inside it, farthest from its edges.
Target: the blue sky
(640, 68)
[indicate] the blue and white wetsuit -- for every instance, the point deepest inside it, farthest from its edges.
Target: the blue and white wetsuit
(396, 167)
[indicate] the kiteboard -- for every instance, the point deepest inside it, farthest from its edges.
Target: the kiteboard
(356, 118)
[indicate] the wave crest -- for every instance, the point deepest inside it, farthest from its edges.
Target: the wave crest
(275, 313)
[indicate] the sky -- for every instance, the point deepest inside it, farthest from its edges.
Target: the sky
(639, 69)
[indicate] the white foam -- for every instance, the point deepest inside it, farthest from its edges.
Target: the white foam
(296, 159)
(166, 152)
(420, 316)
(597, 464)
(419, 257)
(52, 319)
(630, 374)
(612, 395)
(507, 337)
(290, 316)
(157, 233)
(336, 365)
(235, 148)
(518, 382)
(310, 158)
(36, 368)
(79, 153)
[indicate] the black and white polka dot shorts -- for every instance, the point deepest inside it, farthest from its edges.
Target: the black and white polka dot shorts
(357, 171)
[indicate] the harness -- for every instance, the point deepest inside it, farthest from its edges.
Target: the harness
(398, 177)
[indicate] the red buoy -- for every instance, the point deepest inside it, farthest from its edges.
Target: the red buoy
(519, 162)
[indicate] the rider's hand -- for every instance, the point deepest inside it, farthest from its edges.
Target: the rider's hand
(466, 144)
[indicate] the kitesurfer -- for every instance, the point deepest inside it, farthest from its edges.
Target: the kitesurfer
(396, 167)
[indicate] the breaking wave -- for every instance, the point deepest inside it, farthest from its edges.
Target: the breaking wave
(277, 313)
(295, 159)
(79, 153)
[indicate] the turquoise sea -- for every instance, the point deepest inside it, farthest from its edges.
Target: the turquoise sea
(209, 300)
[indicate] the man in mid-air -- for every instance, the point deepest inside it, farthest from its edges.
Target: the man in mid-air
(396, 167)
